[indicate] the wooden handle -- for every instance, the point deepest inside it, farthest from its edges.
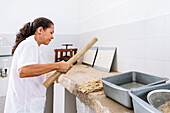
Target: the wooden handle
(72, 60)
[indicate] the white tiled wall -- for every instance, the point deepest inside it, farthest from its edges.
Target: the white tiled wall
(142, 45)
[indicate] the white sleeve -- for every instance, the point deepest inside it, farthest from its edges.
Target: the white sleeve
(28, 55)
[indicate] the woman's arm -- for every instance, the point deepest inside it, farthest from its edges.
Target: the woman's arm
(39, 69)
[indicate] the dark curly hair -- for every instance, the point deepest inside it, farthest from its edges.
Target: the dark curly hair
(30, 28)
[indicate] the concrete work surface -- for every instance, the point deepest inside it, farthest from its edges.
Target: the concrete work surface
(95, 100)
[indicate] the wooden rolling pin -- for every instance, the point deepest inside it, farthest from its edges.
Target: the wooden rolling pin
(72, 60)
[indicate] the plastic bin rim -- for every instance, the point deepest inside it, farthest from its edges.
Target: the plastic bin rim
(135, 72)
(142, 88)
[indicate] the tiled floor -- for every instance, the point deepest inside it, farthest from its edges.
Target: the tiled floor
(2, 103)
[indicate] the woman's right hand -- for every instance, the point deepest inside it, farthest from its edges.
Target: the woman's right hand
(63, 66)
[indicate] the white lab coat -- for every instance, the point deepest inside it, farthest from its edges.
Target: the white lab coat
(25, 95)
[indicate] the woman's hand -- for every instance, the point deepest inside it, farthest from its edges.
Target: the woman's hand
(63, 66)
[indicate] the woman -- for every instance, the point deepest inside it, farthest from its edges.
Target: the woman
(26, 93)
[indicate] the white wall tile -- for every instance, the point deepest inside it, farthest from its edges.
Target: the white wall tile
(126, 31)
(167, 49)
(117, 32)
(8, 39)
(155, 49)
(139, 64)
(139, 48)
(167, 70)
(155, 27)
(124, 64)
(155, 67)
(167, 8)
(125, 48)
(167, 25)
(138, 29)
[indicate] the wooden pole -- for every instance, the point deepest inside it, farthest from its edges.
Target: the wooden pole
(72, 60)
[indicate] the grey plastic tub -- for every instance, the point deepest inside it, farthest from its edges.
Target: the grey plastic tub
(114, 89)
(139, 98)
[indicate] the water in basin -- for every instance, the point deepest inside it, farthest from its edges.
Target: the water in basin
(131, 85)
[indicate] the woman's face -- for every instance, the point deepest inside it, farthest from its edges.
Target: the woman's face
(47, 35)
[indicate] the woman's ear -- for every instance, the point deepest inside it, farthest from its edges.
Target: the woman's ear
(39, 30)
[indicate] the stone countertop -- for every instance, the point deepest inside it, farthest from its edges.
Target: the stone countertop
(96, 100)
